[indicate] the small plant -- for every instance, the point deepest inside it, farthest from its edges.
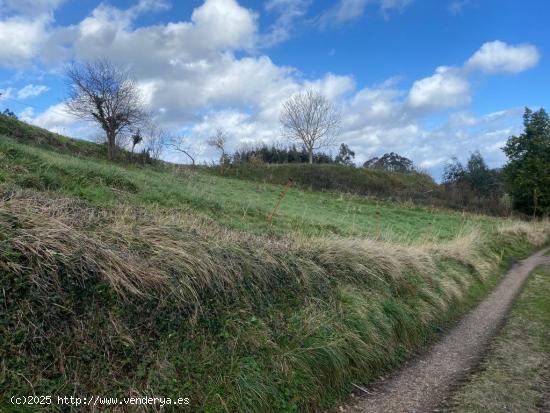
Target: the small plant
(136, 139)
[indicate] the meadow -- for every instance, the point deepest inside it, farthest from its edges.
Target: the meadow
(165, 280)
(238, 204)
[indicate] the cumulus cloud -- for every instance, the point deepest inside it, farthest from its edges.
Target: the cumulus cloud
(24, 26)
(109, 31)
(446, 88)
(31, 90)
(20, 38)
(499, 57)
(449, 87)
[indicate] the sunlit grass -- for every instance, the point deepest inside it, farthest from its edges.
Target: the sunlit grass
(235, 203)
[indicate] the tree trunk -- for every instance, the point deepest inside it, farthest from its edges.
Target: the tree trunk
(310, 153)
(111, 145)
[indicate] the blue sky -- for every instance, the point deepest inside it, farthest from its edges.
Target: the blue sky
(428, 79)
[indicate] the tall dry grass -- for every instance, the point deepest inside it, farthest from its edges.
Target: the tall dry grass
(186, 257)
(261, 323)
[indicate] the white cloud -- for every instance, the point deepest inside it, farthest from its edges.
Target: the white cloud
(346, 10)
(6, 93)
(108, 32)
(57, 119)
(289, 12)
(27, 114)
(457, 6)
(446, 88)
(29, 7)
(54, 118)
(144, 6)
(20, 39)
(31, 90)
(449, 87)
(23, 29)
(239, 25)
(430, 163)
(499, 57)
(332, 86)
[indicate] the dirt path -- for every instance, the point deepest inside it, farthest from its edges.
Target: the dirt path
(425, 383)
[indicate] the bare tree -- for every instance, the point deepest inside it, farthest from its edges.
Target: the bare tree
(181, 144)
(310, 119)
(218, 141)
(104, 93)
(155, 140)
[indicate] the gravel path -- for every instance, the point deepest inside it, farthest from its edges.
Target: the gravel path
(424, 384)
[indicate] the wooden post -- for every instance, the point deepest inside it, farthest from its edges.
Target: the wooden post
(281, 196)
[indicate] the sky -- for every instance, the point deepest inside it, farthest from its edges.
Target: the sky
(428, 79)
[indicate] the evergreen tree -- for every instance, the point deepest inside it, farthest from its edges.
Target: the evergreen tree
(390, 162)
(345, 155)
(528, 169)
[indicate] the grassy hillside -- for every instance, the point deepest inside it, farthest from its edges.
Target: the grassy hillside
(120, 280)
(327, 177)
(237, 204)
(29, 134)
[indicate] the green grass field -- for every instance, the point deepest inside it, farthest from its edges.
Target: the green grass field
(239, 204)
(170, 281)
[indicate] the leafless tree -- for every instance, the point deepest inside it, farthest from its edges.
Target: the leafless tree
(104, 93)
(181, 144)
(310, 119)
(218, 141)
(155, 140)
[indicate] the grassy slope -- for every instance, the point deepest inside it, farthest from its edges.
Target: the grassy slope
(235, 203)
(172, 283)
(515, 376)
(392, 185)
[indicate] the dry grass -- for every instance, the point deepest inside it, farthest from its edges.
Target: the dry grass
(536, 232)
(515, 375)
(152, 252)
(255, 323)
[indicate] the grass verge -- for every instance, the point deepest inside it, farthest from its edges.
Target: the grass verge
(127, 300)
(515, 375)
